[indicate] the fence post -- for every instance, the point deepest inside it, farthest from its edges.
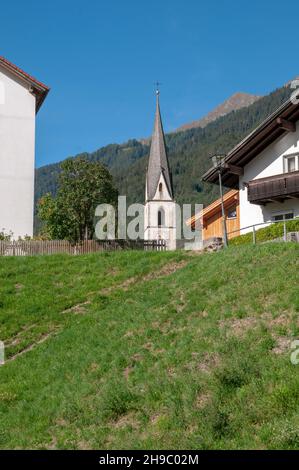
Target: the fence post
(284, 230)
(253, 235)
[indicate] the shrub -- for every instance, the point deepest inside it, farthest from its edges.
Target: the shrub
(5, 236)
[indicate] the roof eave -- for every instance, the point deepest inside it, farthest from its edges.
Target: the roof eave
(39, 89)
(253, 144)
(41, 99)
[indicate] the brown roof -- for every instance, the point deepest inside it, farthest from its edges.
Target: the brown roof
(211, 209)
(39, 89)
(266, 133)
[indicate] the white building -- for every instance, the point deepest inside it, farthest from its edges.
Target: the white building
(160, 207)
(20, 98)
(265, 169)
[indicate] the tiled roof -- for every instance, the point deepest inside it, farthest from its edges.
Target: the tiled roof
(39, 89)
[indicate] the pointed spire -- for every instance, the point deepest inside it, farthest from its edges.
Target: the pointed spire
(158, 161)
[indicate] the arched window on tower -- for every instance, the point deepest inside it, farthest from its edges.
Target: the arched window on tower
(161, 217)
(160, 187)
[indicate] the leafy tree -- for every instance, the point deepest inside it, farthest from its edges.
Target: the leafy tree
(82, 185)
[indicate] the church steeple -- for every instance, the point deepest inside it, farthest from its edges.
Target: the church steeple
(158, 161)
(160, 208)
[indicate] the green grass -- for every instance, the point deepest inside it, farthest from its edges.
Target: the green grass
(198, 358)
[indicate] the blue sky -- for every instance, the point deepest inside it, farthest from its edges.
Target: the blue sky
(101, 58)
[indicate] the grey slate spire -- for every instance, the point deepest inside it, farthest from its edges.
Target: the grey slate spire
(158, 161)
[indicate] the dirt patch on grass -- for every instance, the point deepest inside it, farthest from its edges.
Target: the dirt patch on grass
(53, 444)
(154, 419)
(137, 357)
(165, 270)
(171, 372)
(62, 422)
(79, 308)
(202, 400)
(203, 314)
(240, 326)
(41, 340)
(128, 334)
(165, 327)
(210, 361)
(283, 344)
(151, 348)
(182, 302)
(94, 367)
(18, 287)
(168, 269)
(281, 320)
(148, 346)
(128, 419)
(113, 271)
(159, 351)
(83, 445)
(15, 340)
(127, 372)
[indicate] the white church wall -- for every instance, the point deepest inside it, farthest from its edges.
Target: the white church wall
(152, 230)
(161, 202)
(17, 142)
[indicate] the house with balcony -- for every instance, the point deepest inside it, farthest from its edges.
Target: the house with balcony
(264, 168)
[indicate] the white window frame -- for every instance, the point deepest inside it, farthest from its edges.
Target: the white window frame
(285, 162)
(282, 214)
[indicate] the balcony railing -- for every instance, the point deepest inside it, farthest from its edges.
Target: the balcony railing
(274, 188)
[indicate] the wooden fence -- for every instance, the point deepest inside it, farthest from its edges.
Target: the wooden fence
(39, 247)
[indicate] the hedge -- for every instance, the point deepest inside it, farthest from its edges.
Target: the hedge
(271, 232)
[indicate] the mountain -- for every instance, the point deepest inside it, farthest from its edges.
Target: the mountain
(188, 151)
(237, 101)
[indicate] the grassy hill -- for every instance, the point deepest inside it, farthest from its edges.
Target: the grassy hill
(150, 350)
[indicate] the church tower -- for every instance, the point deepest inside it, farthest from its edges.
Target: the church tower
(160, 208)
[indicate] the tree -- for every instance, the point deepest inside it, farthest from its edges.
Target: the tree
(5, 236)
(82, 186)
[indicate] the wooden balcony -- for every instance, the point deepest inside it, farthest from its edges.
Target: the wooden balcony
(274, 188)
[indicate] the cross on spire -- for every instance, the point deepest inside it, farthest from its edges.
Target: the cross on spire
(157, 85)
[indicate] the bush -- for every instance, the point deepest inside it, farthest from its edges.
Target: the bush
(5, 236)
